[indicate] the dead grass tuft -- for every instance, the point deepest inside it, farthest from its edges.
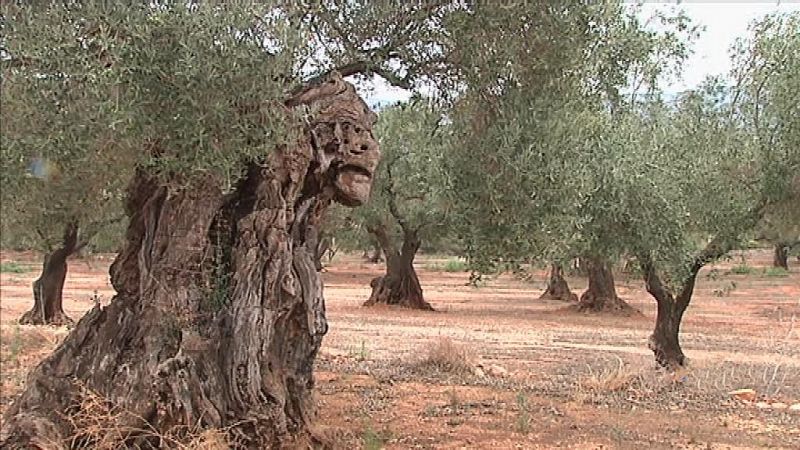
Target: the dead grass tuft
(611, 379)
(101, 425)
(444, 355)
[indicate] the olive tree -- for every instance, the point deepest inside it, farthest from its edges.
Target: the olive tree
(60, 188)
(732, 156)
(234, 136)
(530, 118)
(406, 207)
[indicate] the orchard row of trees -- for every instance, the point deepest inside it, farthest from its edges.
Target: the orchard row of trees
(581, 156)
(223, 131)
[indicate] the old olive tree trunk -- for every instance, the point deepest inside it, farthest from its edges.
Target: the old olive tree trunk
(219, 311)
(400, 285)
(557, 287)
(601, 294)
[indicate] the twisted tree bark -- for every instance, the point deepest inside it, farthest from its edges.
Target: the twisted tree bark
(219, 311)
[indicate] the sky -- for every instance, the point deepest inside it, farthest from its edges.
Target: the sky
(724, 21)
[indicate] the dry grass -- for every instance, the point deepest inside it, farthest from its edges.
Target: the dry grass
(611, 379)
(101, 425)
(444, 355)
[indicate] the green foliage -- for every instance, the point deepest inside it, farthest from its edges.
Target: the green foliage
(775, 272)
(451, 265)
(12, 267)
(92, 91)
(533, 170)
(550, 160)
(401, 41)
(131, 84)
(455, 265)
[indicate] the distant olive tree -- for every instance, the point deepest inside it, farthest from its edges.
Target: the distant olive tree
(407, 204)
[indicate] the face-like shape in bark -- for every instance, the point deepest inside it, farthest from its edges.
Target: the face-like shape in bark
(353, 154)
(347, 153)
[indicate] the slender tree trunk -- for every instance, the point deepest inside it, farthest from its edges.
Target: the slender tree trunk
(219, 312)
(601, 295)
(664, 342)
(780, 256)
(557, 287)
(49, 287)
(400, 285)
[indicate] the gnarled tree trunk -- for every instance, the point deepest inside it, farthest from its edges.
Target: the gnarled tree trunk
(400, 286)
(557, 287)
(601, 295)
(48, 289)
(219, 312)
(664, 342)
(780, 255)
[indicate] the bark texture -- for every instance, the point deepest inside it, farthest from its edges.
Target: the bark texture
(601, 295)
(323, 250)
(400, 285)
(49, 287)
(557, 287)
(219, 311)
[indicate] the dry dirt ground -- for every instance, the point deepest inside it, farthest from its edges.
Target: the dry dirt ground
(522, 373)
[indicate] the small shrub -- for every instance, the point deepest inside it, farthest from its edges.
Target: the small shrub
(12, 267)
(374, 440)
(713, 274)
(452, 265)
(613, 379)
(430, 411)
(444, 355)
(455, 265)
(741, 269)
(777, 272)
(361, 353)
(453, 400)
(523, 424)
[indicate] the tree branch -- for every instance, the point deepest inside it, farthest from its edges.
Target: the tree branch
(391, 200)
(359, 67)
